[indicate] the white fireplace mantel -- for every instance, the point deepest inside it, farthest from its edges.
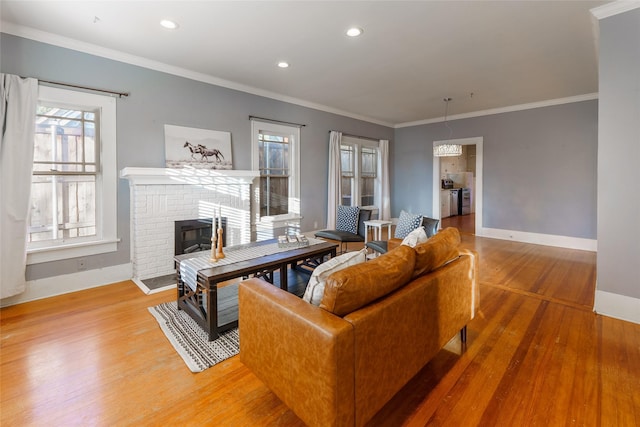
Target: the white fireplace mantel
(168, 176)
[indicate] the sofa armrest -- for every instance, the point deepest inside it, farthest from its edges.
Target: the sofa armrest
(303, 353)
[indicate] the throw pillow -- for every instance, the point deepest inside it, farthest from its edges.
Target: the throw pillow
(406, 224)
(437, 251)
(347, 219)
(315, 288)
(354, 287)
(416, 237)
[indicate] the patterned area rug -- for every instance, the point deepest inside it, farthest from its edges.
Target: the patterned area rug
(190, 340)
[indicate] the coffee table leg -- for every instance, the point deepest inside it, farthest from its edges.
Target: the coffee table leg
(180, 286)
(212, 311)
(283, 278)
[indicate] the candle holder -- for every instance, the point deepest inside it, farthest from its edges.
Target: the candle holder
(219, 252)
(214, 255)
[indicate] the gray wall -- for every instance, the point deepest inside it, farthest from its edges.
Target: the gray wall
(539, 168)
(157, 99)
(619, 155)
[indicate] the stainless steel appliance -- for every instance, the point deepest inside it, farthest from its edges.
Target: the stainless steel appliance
(465, 204)
(455, 202)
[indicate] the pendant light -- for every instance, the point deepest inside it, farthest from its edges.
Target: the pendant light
(445, 149)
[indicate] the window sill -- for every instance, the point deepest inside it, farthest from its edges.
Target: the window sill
(56, 253)
(278, 221)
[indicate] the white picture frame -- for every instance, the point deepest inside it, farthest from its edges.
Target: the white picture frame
(197, 148)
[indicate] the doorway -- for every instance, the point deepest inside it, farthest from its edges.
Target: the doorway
(478, 142)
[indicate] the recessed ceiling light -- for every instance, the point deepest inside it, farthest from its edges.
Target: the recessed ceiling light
(168, 24)
(354, 31)
(283, 64)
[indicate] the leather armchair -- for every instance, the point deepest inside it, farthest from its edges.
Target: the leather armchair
(344, 237)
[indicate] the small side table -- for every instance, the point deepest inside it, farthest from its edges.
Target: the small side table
(377, 225)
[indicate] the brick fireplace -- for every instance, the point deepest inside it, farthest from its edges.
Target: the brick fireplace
(161, 196)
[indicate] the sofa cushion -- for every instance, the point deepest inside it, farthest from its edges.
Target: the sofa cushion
(416, 237)
(437, 251)
(315, 287)
(407, 222)
(356, 286)
(347, 219)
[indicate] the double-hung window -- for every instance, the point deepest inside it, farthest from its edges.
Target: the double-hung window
(360, 184)
(276, 155)
(73, 185)
(275, 172)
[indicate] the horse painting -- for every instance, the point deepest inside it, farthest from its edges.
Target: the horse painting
(197, 148)
(209, 152)
(192, 148)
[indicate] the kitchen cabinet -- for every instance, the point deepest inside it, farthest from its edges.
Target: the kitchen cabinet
(445, 203)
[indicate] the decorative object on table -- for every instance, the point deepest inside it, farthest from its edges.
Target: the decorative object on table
(191, 341)
(197, 148)
(218, 221)
(214, 248)
(298, 241)
(219, 251)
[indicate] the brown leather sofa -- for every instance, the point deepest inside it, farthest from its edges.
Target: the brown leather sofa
(378, 324)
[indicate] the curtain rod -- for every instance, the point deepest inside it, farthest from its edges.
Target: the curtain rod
(275, 121)
(111, 92)
(358, 136)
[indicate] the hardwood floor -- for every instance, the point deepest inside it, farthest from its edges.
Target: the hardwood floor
(465, 223)
(536, 354)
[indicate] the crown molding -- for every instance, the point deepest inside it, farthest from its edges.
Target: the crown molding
(92, 49)
(88, 48)
(614, 8)
(529, 106)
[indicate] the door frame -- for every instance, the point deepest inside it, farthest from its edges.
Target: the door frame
(478, 142)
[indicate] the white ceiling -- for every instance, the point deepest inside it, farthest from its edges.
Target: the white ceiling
(410, 57)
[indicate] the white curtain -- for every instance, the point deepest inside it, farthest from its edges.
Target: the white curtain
(334, 192)
(385, 191)
(18, 101)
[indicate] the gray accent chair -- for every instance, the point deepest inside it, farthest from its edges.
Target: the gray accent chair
(430, 226)
(344, 237)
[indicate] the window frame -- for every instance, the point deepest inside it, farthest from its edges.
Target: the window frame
(105, 239)
(358, 144)
(293, 132)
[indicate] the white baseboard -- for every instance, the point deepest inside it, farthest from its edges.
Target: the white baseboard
(540, 239)
(617, 306)
(58, 285)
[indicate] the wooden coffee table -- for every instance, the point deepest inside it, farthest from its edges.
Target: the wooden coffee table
(215, 308)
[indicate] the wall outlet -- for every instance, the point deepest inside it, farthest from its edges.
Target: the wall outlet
(315, 225)
(82, 264)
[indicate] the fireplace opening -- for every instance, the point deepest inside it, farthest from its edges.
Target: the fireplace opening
(194, 235)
